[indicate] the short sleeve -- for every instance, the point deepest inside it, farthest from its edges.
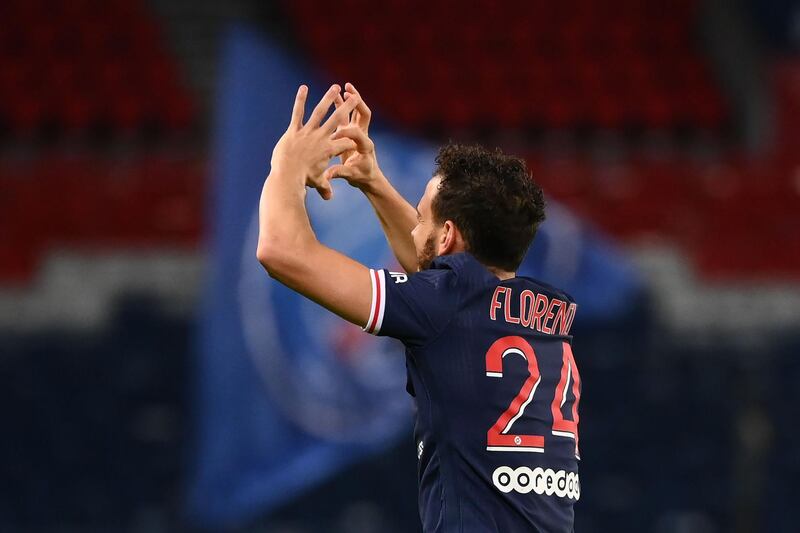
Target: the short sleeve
(411, 307)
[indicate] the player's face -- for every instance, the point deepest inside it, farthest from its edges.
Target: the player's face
(426, 231)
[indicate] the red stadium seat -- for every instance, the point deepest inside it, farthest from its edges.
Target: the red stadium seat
(594, 55)
(77, 60)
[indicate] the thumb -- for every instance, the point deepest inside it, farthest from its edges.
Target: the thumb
(325, 190)
(337, 171)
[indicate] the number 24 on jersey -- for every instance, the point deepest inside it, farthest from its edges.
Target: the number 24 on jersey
(499, 437)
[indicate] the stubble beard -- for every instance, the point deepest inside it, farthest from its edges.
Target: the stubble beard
(428, 254)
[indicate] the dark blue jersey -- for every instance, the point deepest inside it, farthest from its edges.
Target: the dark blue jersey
(496, 388)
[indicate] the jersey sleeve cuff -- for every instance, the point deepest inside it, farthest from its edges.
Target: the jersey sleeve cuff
(378, 305)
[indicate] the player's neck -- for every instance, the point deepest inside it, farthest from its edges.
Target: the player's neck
(500, 273)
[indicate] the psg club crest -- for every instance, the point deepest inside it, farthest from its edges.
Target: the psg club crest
(329, 377)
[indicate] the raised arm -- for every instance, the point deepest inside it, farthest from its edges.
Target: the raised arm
(287, 246)
(360, 168)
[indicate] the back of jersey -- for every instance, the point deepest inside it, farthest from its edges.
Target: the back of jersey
(497, 390)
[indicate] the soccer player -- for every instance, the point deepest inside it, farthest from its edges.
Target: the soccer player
(488, 352)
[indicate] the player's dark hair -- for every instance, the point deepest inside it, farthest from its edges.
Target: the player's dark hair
(492, 198)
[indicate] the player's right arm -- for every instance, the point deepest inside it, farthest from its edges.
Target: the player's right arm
(360, 169)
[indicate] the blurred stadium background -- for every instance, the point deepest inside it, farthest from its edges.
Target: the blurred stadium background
(152, 379)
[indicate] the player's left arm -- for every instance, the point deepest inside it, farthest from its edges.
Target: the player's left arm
(287, 246)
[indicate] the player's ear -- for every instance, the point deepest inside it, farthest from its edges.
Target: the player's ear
(450, 240)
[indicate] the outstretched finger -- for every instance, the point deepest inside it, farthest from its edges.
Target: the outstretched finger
(338, 101)
(341, 116)
(299, 108)
(363, 144)
(354, 114)
(364, 112)
(322, 107)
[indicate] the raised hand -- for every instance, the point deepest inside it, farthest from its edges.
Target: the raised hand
(308, 148)
(358, 166)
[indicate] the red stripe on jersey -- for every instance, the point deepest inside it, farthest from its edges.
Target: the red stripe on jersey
(376, 310)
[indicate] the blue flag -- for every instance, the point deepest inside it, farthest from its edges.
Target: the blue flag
(286, 392)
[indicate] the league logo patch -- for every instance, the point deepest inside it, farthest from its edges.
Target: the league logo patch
(399, 277)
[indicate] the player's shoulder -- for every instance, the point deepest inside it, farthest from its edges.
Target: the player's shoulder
(413, 307)
(464, 269)
(458, 269)
(438, 276)
(439, 286)
(442, 275)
